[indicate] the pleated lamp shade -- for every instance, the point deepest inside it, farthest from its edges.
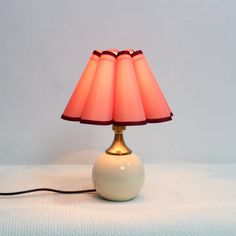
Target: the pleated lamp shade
(79, 97)
(155, 105)
(117, 87)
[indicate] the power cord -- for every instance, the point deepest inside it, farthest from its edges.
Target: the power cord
(48, 189)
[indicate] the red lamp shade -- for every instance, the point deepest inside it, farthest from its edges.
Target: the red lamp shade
(117, 87)
(128, 107)
(79, 97)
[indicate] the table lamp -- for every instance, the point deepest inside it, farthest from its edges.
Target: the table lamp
(117, 88)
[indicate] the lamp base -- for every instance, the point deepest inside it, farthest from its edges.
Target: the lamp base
(118, 177)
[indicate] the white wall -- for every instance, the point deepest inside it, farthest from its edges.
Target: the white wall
(190, 45)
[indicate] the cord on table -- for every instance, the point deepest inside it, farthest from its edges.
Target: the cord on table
(48, 189)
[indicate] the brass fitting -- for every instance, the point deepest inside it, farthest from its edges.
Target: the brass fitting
(118, 146)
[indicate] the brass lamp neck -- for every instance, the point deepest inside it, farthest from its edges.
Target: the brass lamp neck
(118, 146)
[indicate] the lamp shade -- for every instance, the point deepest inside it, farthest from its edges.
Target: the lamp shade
(99, 104)
(79, 97)
(128, 107)
(154, 103)
(117, 87)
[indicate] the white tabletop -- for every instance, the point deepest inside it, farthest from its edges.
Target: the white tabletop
(175, 200)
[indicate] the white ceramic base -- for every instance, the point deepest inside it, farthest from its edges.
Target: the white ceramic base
(118, 177)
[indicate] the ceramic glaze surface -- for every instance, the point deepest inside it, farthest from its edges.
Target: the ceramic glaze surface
(118, 177)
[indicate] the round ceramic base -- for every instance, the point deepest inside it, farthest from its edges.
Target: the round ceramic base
(118, 177)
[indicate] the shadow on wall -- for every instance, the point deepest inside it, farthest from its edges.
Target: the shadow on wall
(78, 157)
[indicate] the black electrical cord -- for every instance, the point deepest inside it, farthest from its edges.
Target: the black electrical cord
(48, 189)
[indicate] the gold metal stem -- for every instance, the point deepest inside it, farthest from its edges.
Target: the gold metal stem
(118, 146)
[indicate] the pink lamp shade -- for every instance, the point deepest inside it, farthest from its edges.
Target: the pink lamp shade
(99, 104)
(154, 103)
(117, 87)
(128, 107)
(79, 97)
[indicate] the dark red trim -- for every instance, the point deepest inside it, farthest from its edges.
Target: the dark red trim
(109, 53)
(123, 52)
(136, 53)
(97, 53)
(143, 122)
(159, 120)
(130, 123)
(171, 114)
(93, 122)
(70, 118)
